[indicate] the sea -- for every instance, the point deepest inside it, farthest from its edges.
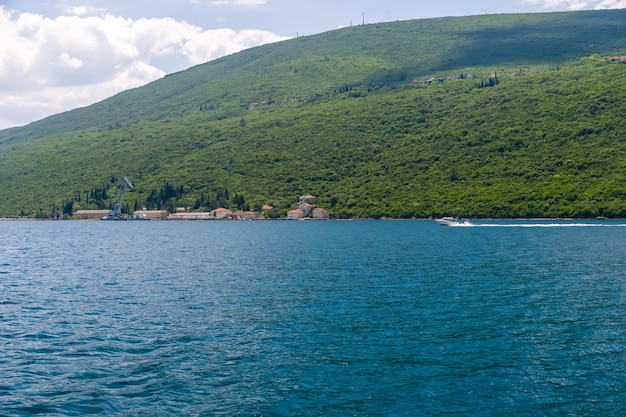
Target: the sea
(312, 318)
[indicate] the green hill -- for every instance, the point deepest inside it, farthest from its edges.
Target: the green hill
(482, 116)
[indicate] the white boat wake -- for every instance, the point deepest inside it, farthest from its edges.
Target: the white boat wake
(545, 225)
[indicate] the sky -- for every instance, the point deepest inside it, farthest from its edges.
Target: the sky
(57, 55)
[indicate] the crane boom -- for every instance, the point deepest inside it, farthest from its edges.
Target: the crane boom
(117, 208)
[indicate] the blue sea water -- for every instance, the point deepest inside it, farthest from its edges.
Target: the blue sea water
(312, 318)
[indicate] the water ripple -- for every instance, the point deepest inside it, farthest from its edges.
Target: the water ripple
(310, 319)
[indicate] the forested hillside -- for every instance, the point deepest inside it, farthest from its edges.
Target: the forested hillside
(483, 116)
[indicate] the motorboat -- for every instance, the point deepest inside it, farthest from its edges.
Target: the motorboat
(446, 221)
(451, 221)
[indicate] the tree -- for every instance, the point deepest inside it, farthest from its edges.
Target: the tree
(68, 208)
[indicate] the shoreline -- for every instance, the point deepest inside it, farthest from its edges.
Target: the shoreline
(13, 219)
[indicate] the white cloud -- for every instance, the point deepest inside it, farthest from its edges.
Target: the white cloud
(220, 42)
(51, 65)
(85, 10)
(70, 62)
(577, 4)
(611, 4)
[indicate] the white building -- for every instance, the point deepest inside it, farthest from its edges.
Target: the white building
(305, 208)
(320, 214)
(221, 213)
(295, 214)
(200, 215)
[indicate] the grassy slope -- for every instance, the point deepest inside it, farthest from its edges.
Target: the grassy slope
(545, 142)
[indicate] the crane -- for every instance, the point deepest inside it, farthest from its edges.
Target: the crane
(116, 213)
